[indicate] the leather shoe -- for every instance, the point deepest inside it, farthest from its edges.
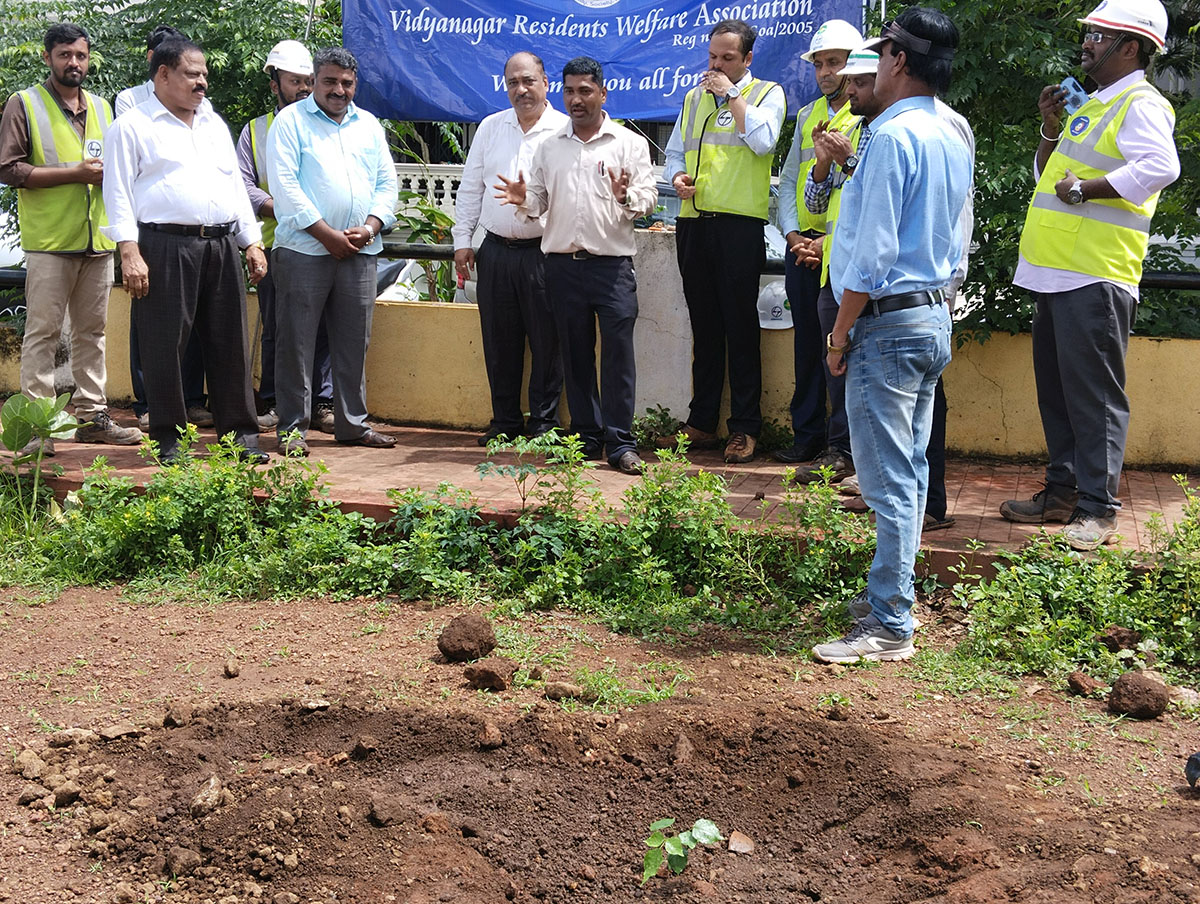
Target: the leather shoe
(797, 453)
(253, 456)
(740, 448)
(294, 447)
(372, 438)
(630, 463)
(697, 439)
(485, 438)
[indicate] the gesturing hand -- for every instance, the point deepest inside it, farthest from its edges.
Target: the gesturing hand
(620, 184)
(511, 191)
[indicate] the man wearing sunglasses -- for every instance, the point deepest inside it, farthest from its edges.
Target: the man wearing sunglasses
(893, 255)
(1100, 170)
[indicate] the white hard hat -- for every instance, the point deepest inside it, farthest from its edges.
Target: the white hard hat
(836, 34)
(290, 56)
(774, 309)
(1144, 18)
(861, 62)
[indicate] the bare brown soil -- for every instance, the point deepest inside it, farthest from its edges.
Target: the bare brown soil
(348, 768)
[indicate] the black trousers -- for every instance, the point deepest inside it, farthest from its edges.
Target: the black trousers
(513, 305)
(196, 287)
(720, 260)
(601, 290)
(935, 454)
(803, 287)
(192, 372)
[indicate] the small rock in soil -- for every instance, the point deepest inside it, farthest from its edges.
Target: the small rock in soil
(492, 674)
(124, 893)
(467, 637)
(562, 690)
(490, 737)
(1136, 694)
(1083, 684)
(71, 736)
(182, 861)
(837, 713)
(740, 844)
(683, 752)
(232, 669)
(314, 706)
(385, 810)
(435, 823)
(31, 794)
(29, 765)
(364, 747)
(178, 715)
(1192, 772)
(207, 799)
(119, 730)
(1117, 638)
(66, 794)
(285, 897)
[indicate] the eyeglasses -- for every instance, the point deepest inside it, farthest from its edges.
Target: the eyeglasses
(1097, 37)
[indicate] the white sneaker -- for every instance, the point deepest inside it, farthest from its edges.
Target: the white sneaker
(868, 641)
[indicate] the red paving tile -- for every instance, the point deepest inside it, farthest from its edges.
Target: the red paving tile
(424, 458)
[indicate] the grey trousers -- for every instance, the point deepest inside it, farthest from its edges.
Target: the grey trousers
(1079, 343)
(306, 287)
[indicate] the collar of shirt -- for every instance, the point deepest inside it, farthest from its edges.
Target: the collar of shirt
(309, 105)
(1105, 95)
(919, 102)
(545, 122)
(607, 127)
(156, 110)
(49, 85)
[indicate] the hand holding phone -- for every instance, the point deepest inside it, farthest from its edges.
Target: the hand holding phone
(1075, 96)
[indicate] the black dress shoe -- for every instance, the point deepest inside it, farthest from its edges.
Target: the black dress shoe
(372, 438)
(253, 456)
(795, 454)
(629, 463)
(486, 438)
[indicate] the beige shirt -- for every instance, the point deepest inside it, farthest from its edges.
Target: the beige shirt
(569, 182)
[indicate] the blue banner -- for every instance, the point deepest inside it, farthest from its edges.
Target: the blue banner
(444, 59)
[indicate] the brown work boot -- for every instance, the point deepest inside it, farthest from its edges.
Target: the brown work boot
(103, 429)
(1048, 505)
(740, 448)
(697, 439)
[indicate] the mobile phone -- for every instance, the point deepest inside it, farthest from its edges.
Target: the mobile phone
(1076, 96)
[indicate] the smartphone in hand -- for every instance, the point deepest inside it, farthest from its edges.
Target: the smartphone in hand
(1076, 96)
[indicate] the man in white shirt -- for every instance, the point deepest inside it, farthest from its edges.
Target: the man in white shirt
(591, 179)
(1100, 170)
(511, 288)
(719, 160)
(178, 212)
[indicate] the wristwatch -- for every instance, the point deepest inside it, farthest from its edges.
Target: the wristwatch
(733, 92)
(836, 349)
(1075, 193)
(850, 164)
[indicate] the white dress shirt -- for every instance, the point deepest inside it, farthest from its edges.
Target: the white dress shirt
(500, 147)
(763, 124)
(569, 182)
(131, 97)
(1146, 140)
(161, 170)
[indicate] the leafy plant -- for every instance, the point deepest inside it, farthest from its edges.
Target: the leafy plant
(22, 420)
(674, 849)
(657, 421)
(426, 223)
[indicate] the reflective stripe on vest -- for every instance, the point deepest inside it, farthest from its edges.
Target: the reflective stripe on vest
(63, 218)
(729, 177)
(1102, 237)
(839, 121)
(258, 149)
(835, 200)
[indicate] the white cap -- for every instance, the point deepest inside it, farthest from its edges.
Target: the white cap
(861, 62)
(1144, 18)
(290, 56)
(836, 34)
(774, 309)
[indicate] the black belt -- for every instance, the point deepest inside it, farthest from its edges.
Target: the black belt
(515, 243)
(581, 255)
(218, 231)
(902, 302)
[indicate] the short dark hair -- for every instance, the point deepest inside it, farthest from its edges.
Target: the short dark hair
(585, 66)
(160, 33)
(335, 56)
(65, 33)
(169, 53)
(743, 30)
(936, 28)
(529, 53)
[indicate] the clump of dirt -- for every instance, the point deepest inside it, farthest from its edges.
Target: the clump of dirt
(290, 802)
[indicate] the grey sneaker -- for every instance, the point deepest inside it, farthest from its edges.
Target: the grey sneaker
(322, 418)
(839, 462)
(199, 415)
(144, 422)
(31, 448)
(268, 420)
(1087, 532)
(860, 607)
(868, 640)
(1046, 506)
(103, 429)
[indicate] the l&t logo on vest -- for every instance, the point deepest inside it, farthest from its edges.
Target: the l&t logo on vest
(725, 119)
(93, 147)
(1079, 124)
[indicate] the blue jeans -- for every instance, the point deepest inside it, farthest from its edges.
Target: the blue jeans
(892, 369)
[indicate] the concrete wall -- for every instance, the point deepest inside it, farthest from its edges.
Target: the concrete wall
(425, 366)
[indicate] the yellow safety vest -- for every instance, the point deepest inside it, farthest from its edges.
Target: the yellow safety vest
(258, 146)
(63, 218)
(729, 177)
(835, 198)
(1102, 237)
(807, 119)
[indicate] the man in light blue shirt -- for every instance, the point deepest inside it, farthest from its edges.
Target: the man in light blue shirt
(334, 185)
(895, 250)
